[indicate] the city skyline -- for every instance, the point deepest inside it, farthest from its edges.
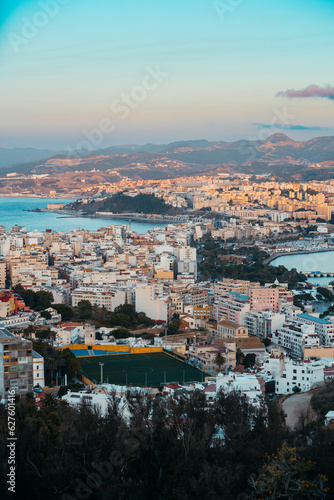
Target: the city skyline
(218, 70)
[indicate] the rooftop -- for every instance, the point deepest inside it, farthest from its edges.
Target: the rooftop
(314, 318)
(5, 334)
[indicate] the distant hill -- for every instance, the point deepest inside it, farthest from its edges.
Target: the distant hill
(278, 155)
(120, 203)
(15, 156)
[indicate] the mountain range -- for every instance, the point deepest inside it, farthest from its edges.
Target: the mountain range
(277, 155)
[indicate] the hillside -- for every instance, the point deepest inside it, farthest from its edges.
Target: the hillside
(277, 155)
(120, 203)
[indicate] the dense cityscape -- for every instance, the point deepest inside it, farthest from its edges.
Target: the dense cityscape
(118, 321)
(166, 250)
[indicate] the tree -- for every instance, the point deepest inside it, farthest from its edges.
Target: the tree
(240, 357)
(121, 333)
(66, 312)
(174, 325)
(249, 360)
(219, 360)
(325, 293)
(285, 475)
(71, 364)
(57, 361)
(46, 314)
(84, 309)
(38, 301)
(322, 400)
(266, 342)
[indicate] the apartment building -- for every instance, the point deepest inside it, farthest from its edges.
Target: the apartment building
(199, 296)
(300, 373)
(99, 296)
(25, 261)
(2, 274)
(232, 308)
(262, 298)
(227, 286)
(324, 328)
(295, 336)
(156, 306)
(263, 323)
(16, 364)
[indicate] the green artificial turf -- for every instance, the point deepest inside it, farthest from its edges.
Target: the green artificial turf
(151, 370)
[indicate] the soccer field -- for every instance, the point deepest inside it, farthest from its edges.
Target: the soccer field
(144, 370)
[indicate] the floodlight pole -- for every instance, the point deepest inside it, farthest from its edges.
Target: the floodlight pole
(101, 364)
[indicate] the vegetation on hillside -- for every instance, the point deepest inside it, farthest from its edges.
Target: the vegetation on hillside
(172, 450)
(124, 315)
(323, 400)
(121, 203)
(57, 363)
(253, 268)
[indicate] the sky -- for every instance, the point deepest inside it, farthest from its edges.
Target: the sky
(97, 73)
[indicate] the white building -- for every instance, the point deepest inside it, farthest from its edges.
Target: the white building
(99, 402)
(38, 369)
(323, 327)
(295, 336)
(263, 323)
(69, 333)
(99, 296)
(187, 262)
(248, 384)
(155, 307)
(302, 374)
(274, 364)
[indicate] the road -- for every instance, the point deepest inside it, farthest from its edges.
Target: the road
(295, 406)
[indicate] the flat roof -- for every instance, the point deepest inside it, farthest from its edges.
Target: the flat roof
(314, 318)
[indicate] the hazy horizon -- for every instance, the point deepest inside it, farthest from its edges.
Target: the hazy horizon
(159, 73)
(142, 144)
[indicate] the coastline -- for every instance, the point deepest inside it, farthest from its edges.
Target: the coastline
(159, 219)
(47, 197)
(299, 252)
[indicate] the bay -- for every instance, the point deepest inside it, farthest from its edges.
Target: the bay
(15, 211)
(317, 261)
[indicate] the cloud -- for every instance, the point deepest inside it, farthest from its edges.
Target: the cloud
(310, 91)
(287, 127)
